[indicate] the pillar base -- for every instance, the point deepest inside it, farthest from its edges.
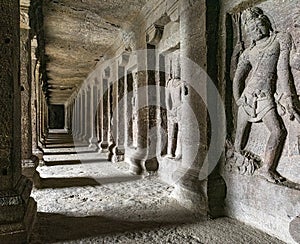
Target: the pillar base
(93, 143)
(18, 212)
(189, 191)
(103, 147)
(38, 153)
(167, 167)
(138, 162)
(41, 145)
(193, 201)
(20, 231)
(136, 159)
(137, 167)
(118, 154)
(29, 166)
(111, 147)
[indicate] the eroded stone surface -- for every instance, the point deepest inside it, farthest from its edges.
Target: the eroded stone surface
(269, 149)
(124, 209)
(77, 35)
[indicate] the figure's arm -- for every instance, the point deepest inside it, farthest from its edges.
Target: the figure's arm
(284, 74)
(242, 71)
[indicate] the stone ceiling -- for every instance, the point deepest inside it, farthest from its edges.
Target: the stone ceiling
(77, 34)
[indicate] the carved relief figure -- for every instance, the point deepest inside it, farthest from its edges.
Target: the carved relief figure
(173, 103)
(262, 68)
(295, 55)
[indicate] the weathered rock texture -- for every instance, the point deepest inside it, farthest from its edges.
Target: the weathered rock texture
(77, 36)
(17, 209)
(144, 82)
(262, 177)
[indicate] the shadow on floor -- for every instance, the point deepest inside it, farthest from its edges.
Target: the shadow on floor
(71, 162)
(65, 182)
(51, 227)
(82, 181)
(67, 152)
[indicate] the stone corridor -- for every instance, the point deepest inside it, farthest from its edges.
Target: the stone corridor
(150, 121)
(86, 199)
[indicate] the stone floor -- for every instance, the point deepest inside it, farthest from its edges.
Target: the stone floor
(95, 201)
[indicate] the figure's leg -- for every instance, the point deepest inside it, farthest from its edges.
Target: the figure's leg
(274, 146)
(243, 126)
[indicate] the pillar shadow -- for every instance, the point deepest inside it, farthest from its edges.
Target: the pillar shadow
(66, 182)
(52, 227)
(72, 162)
(82, 181)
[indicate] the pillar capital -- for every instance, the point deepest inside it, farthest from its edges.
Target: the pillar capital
(154, 34)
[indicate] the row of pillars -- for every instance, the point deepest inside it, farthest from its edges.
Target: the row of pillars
(112, 111)
(23, 122)
(110, 116)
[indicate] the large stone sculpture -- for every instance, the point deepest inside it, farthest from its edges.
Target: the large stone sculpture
(173, 103)
(263, 71)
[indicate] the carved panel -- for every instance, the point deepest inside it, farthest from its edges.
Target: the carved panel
(269, 96)
(173, 104)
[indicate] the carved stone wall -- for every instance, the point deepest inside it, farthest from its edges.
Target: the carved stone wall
(264, 198)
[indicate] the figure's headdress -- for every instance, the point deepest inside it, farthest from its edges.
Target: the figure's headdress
(254, 13)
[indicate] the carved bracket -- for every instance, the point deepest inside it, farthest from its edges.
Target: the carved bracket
(106, 73)
(154, 34)
(124, 59)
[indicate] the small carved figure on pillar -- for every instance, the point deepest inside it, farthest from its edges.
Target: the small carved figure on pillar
(262, 68)
(173, 103)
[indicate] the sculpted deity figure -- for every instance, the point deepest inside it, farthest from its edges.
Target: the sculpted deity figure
(173, 103)
(261, 69)
(295, 55)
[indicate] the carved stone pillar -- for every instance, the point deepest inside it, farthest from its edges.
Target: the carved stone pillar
(45, 117)
(137, 155)
(87, 109)
(39, 112)
(119, 111)
(34, 102)
(128, 110)
(76, 125)
(105, 111)
(82, 114)
(151, 163)
(29, 161)
(99, 112)
(92, 122)
(79, 116)
(42, 117)
(66, 115)
(112, 110)
(74, 118)
(72, 107)
(17, 209)
(190, 191)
